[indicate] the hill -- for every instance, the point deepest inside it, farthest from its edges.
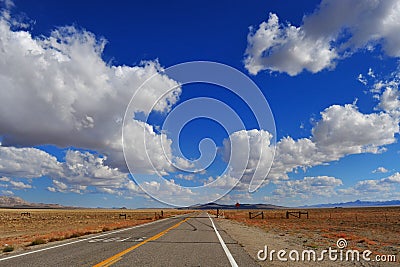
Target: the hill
(357, 203)
(19, 203)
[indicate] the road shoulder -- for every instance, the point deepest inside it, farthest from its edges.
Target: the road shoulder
(253, 239)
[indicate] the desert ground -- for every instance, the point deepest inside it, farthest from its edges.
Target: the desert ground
(23, 228)
(374, 229)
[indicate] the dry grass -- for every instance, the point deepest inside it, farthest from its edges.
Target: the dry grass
(376, 229)
(44, 226)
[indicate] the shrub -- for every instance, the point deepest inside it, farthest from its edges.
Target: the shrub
(55, 239)
(76, 234)
(37, 241)
(105, 229)
(8, 249)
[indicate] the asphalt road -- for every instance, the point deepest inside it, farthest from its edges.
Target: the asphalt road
(189, 240)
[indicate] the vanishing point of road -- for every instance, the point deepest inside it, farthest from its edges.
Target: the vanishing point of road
(189, 240)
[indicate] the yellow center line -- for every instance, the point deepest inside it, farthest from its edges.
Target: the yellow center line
(117, 257)
(112, 262)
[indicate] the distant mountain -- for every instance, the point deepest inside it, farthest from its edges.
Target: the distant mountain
(19, 203)
(210, 206)
(12, 201)
(357, 203)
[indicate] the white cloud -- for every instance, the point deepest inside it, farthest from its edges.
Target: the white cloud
(51, 189)
(233, 198)
(393, 179)
(132, 187)
(322, 187)
(291, 154)
(308, 187)
(7, 3)
(389, 101)
(286, 49)
(344, 130)
(227, 181)
(7, 192)
(371, 73)
(380, 170)
(188, 177)
(79, 171)
(169, 192)
(60, 186)
(27, 163)
(249, 155)
(146, 151)
(320, 42)
(374, 188)
(85, 168)
(20, 185)
(58, 90)
(362, 79)
(341, 131)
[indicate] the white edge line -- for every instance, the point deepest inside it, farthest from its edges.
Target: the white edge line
(227, 252)
(80, 240)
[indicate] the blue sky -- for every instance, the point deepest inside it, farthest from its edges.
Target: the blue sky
(329, 71)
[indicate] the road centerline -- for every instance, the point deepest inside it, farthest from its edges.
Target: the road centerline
(116, 257)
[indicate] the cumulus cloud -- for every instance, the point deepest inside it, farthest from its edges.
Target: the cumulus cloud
(249, 155)
(292, 154)
(326, 186)
(80, 172)
(380, 170)
(341, 131)
(58, 90)
(188, 177)
(389, 100)
(382, 187)
(19, 185)
(7, 192)
(345, 130)
(336, 29)
(170, 192)
(27, 163)
(145, 150)
(286, 49)
(308, 187)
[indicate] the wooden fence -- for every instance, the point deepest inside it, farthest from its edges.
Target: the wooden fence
(253, 215)
(296, 214)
